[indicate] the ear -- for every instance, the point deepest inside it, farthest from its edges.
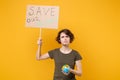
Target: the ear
(59, 41)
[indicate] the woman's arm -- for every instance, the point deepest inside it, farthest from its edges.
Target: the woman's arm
(41, 57)
(79, 68)
(38, 54)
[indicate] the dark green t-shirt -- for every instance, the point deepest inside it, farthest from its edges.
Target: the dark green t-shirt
(61, 59)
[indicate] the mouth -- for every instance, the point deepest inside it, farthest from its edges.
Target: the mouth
(65, 41)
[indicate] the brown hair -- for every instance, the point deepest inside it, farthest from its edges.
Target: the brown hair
(67, 32)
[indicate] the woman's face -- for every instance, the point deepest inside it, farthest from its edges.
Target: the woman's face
(64, 39)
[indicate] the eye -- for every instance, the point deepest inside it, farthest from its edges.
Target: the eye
(67, 36)
(62, 36)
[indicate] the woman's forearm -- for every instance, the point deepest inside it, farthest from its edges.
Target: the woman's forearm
(76, 72)
(38, 53)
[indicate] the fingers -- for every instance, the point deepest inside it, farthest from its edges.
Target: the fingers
(65, 73)
(39, 41)
(39, 38)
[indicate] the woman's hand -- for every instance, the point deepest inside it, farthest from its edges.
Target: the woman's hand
(39, 41)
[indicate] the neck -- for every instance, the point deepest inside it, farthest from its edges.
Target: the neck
(65, 49)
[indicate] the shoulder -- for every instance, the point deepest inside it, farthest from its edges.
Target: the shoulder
(77, 54)
(53, 50)
(56, 49)
(75, 51)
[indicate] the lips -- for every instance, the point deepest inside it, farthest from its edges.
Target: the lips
(65, 41)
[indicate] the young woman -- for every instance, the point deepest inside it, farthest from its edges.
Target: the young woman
(62, 56)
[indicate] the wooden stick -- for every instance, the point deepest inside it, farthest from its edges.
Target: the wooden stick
(40, 35)
(39, 46)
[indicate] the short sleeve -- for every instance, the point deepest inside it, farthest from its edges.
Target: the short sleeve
(51, 54)
(77, 56)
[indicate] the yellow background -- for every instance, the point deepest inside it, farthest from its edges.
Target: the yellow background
(95, 23)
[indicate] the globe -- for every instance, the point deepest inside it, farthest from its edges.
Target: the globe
(66, 68)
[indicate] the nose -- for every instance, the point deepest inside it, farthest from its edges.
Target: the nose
(65, 38)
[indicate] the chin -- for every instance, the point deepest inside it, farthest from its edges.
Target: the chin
(65, 44)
